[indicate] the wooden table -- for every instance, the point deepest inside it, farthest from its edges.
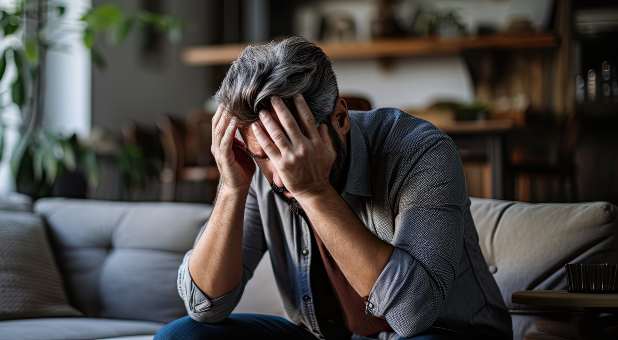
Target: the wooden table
(493, 132)
(565, 300)
(574, 315)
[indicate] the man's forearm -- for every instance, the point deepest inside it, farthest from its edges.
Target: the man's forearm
(216, 262)
(361, 256)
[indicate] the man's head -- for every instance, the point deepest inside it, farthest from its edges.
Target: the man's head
(285, 68)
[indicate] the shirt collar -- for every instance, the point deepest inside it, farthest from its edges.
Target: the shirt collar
(357, 179)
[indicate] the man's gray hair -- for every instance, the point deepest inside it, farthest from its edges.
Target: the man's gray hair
(279, 68)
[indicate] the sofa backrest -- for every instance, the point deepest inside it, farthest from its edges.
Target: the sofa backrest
(119, 259)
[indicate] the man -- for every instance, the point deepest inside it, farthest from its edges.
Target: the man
(365, 215)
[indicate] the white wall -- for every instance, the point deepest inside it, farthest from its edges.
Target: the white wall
(131, 89)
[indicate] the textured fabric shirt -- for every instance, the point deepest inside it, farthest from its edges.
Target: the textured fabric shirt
(406, 184)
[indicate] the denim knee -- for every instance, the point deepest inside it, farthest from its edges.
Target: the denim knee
(179, 329)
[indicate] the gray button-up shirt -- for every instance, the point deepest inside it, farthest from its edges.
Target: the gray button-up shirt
(406, 184)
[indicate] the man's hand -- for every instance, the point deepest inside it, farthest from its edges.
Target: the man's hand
(235, 167)
(303, 161)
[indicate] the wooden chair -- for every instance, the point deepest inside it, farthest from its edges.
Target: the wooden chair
(560, 167)
(186, 146)
(147, 140)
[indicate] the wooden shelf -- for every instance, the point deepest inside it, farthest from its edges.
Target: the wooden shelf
(386, 48)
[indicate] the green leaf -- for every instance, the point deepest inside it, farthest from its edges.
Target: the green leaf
(97, 58)
(103, 17)
(10, 23)
(3, 62)
(37, 164)
(123, 29)
(32, 51)
(18, 87)
(18, 91)
(69, 157)
(88, 37)
(61, 10)
(51, 168)
(90, 167)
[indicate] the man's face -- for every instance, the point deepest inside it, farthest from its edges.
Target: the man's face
(257, 153)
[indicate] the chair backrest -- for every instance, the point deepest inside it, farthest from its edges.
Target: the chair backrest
(198, 139)
(357, 103)
(173, 134)
(147, 139)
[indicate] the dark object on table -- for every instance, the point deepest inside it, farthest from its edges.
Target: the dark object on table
(441, 23)
(463, 111)
(486, 29)
(592, 278)
(338, 27)
(385, 25)
(519, 25)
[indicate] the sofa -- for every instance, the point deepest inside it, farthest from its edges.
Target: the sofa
(85, 269)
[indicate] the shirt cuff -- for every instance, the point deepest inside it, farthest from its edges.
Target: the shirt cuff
(196, 301)
(389, 282)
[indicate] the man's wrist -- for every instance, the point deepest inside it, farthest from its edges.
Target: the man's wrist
(312, 196)
(227, 191)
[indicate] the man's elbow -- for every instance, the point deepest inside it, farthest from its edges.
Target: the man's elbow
(407, 328)
(208, 316)
(423, 315)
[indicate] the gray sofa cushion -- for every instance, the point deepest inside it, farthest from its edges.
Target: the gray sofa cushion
(74, 328)
(120, 259)
(30, 283)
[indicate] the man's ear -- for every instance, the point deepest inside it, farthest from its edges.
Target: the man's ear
(340, 119)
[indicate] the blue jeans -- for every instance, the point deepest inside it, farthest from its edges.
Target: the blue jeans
(246, 326)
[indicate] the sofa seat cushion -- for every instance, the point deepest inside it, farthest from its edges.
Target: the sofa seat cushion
(30, 282)
(120, 260)
(74, 328)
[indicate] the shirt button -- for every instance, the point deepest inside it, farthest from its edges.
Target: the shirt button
(306, 298)
(305, 252)
(493, 269)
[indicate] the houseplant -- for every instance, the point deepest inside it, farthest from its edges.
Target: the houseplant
(24, 41)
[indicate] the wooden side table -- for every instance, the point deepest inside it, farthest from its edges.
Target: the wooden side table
(575, 316)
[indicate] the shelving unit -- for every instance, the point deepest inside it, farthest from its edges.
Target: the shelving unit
(387, 48)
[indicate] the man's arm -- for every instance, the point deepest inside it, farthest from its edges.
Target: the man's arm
(201, 303)
(216, 263)
(360, 255)
(213, 274)
(410, 287)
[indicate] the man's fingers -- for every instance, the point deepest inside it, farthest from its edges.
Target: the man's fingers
(220, 129)
(226, 141)
(324, 135)
(287, 120)
(274, 131)
(306, 116)
(217, 117)
(265, 142)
